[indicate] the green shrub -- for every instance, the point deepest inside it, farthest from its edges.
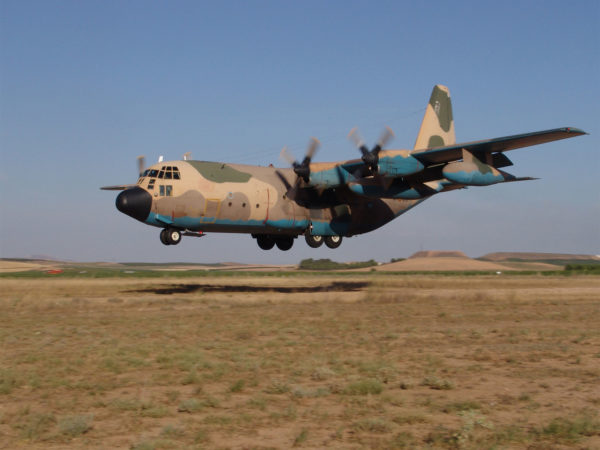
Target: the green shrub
(364, 387)
(75, 425)
(327, 264)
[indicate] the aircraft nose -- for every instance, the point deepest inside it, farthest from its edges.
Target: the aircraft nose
(135, 202)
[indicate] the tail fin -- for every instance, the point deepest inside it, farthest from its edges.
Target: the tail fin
(437, 128)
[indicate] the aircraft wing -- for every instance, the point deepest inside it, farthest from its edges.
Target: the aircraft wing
(120, 187)
(502, 144)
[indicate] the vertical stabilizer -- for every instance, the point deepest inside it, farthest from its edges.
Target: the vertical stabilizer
(437, 128)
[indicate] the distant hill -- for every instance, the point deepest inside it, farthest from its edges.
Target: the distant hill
(548, 258)
(438, 254)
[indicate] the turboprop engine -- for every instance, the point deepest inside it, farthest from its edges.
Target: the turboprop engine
(471, 171)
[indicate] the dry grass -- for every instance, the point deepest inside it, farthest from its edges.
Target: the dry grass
(410, 362)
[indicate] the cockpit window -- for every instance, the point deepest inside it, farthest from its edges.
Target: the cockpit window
(166, 172)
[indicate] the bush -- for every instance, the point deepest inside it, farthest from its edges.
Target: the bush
(327, 264)
(364, 387)
(75, 425)
(583, 268)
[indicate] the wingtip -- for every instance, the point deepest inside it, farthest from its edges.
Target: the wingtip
(574, 130)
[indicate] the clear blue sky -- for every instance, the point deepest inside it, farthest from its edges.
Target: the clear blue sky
(87, 86)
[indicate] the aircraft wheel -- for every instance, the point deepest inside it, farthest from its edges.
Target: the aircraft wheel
(284, 243)
(265, 241)
(333, 241)
(173, 236)
(163, 237)
(313, 241)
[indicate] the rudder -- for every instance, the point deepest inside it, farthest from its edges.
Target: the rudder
(437, 128)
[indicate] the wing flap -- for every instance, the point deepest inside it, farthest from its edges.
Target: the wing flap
(502, 144)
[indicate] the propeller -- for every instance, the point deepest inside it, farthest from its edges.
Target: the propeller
(302, 169)
(371, 157)
(141, 161)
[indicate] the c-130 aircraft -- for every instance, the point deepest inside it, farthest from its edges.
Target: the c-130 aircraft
(323, 201)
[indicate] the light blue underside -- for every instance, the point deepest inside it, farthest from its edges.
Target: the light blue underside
(197, 224)
(333, 228)
(475, 178)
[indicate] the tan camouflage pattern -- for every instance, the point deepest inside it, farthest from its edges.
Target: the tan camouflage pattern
(340, 198)
(265, 200)
(437, 128)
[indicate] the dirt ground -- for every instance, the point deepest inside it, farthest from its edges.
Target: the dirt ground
(368, 361)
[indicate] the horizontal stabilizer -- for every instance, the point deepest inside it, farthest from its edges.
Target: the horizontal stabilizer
(510, 180)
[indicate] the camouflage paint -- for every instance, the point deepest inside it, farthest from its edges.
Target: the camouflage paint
(338, 199)
(471, 171)
(220, 172)
(437, 128)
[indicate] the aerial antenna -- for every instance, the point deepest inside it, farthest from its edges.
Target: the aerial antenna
(141, 160)
(160, 158)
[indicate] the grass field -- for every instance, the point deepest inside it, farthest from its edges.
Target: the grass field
(423, 361)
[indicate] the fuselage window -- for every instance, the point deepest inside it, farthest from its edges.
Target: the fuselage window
(168, 175)
(176, 175)
(165, 190)
(151, 184)
(153, 173)
(161, 174)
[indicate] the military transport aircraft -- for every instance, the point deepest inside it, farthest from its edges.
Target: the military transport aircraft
(322, 201)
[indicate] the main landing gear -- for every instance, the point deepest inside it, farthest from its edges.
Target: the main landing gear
(268, 241)
(315, 241)
(170, 236)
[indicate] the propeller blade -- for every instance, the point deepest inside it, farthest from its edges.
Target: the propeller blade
(302, 170)
(141, 161)
(286, 156)
(283, 179)
(355, 137)
(371, 158)
(385, 137)
(313, 145)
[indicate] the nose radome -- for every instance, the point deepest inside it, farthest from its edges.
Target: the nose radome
(135, 202)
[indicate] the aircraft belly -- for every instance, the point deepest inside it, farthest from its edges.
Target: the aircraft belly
(374, 213)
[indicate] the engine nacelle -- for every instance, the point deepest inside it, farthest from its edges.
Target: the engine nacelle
(472, 174)
(399, 164)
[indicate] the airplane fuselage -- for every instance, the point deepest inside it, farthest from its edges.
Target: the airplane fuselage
(232, 198)
(323, 201)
